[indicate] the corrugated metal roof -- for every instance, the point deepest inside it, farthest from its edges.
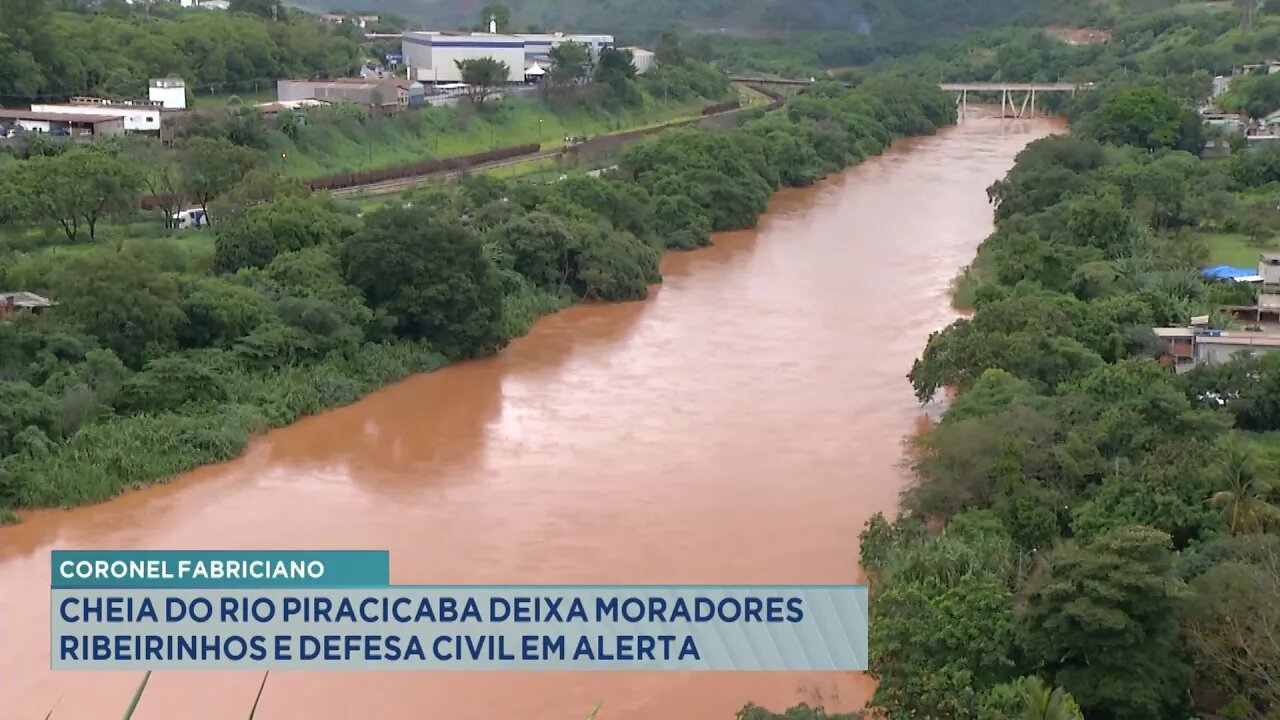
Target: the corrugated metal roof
(56, 116)
(25, 300)
(1241, 338)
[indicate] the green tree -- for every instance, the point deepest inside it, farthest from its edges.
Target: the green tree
(1143, 116)
(23, 406)
(1101, 622)
(431, 275)
(483, 76)
(75, 189)
(1244, 499)
(499, 14)
(1232, 623)
(669, 50)
(131, 307)
(569, 64)
(1029, 698)
(943, 631)
(268, 9)
(616, 73)
(161, 175)
(211, 167)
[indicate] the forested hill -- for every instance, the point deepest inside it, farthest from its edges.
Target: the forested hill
(871, 17)
(111, 49)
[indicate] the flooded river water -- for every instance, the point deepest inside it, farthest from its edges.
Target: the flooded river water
(740, 426)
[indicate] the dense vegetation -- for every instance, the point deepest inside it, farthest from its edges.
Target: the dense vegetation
(235, 154)
(153, 363)
(1186, 46)
(111, 50)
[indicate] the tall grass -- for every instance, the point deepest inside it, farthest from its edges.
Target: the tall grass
(449, 131)
(117, 453)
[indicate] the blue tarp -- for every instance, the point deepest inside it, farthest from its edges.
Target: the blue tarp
(1226, 272)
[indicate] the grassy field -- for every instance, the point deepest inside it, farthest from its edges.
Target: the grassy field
(446, 132)
(1235, 249)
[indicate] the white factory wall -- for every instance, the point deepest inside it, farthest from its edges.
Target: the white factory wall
(434, 58)
(170, 97)
(641, 58)
(135, 119)
(539, 44)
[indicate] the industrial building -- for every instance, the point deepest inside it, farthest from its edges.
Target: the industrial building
(77, 126)
(642, 59)
(537, 46)
(432, 57)
(140, 116)
(383, 96)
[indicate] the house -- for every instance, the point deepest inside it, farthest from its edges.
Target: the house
(12, 303)
(77, 126)
(1185, 348)
(140, 116)
(1269, 268)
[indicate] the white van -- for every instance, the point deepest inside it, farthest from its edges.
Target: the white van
(192, 217)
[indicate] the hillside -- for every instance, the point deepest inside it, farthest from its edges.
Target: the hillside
(644, 17)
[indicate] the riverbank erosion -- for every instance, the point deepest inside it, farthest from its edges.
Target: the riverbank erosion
(146, 367)
(1076, 514)
(701, 436)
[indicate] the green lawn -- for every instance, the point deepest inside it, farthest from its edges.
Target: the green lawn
(1235, 249)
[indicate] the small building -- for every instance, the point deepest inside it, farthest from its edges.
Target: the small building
(140, 116)
(378, 95)
(1185, 348)
(170, 93)
(433, 57)
(270, 110)
(1269, 268)
(77, 126)
(12, 303)
(642, 59)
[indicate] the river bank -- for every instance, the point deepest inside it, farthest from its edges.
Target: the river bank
(701, 436)
(240, 363)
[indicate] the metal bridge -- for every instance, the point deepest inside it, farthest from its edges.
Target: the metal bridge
(1008, 91)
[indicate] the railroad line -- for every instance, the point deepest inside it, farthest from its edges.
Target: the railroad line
(776, 100)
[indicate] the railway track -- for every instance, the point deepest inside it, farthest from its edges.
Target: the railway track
(387, 186)
(776, 100)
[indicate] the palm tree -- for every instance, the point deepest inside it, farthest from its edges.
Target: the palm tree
(1244, 497)
(1043, 703)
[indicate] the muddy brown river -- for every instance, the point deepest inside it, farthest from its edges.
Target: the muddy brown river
(740, 426)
